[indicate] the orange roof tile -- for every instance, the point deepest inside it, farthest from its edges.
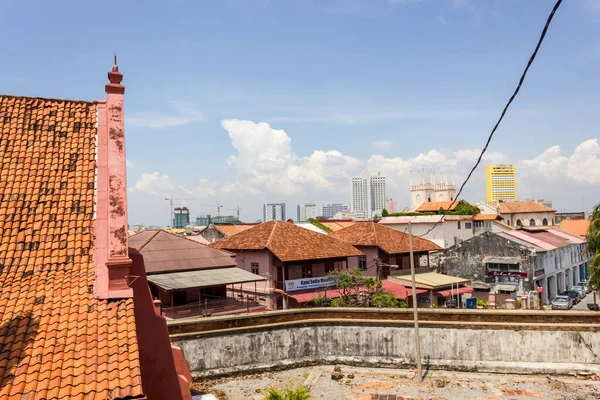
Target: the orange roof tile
(387, 239)
(436, 205)
(229, 230)
(487, 217)
(575, 226)
(527, 206)
(56, 340)
(288, 242)
(337, 225)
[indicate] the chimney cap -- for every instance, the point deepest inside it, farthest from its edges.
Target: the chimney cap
(115, 78)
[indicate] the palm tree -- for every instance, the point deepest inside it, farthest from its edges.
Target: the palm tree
(593, 247)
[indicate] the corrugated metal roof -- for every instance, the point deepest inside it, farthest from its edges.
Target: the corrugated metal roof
(203, 278)
(167, 252)
(428, 280)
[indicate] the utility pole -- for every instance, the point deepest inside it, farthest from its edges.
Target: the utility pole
(415, 315)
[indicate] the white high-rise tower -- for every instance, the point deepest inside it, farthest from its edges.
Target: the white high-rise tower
(367, 195)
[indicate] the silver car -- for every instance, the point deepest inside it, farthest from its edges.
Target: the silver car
(562, 303)
(582, 291)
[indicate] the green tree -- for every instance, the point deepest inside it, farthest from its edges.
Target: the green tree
(289, 393)
(385, 213)
(361, 291)
(593, 249)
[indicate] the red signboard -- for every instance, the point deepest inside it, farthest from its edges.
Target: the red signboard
(515, 274)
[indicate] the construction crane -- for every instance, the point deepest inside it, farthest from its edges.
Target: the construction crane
(218, 205)
(237, 208)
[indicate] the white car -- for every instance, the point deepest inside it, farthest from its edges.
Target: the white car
(562, 303)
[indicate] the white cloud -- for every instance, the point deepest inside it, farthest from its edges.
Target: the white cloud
(265, 161)
(153, 183)
(382, 144)
(182, 114)
(264, 168)
(582, 166)
(129, 163)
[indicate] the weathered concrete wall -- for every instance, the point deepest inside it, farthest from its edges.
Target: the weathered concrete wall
(449, 348)
(465, 259)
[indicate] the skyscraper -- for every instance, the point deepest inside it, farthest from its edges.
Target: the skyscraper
(390, 205)
(500, 183)
(307, 211)
(329, 210)
(274, 211)
(367, 195)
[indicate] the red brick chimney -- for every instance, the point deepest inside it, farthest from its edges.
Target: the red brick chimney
(111, 229)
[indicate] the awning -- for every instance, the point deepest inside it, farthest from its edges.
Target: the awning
(460, 290)
(505, 288)
(501, 260)
(203, 278)
(398, 289)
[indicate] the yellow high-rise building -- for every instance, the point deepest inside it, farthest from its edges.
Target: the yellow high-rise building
(500, 183)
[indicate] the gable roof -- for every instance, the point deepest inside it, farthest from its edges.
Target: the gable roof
(57, 341)
(436, 205)
(288, 242)
(575, 226)
(487, 217)
(527, 206)
(229, 230)
(168, 252)
(337, 225)
(387, 239)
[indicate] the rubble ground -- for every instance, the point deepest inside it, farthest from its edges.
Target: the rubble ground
(356, 383)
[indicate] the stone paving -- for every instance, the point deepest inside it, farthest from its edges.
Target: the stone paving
(392, 384)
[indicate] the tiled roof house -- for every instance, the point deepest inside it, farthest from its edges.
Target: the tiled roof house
(285, 254)
(76, 317)
(388, 246)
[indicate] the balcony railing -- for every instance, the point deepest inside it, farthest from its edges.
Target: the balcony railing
(212, 307)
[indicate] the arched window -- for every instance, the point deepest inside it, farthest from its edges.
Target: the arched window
(451, 198)
(519, 223)
(544, 222)
(532, 222)
(429, 199)
(509, 223)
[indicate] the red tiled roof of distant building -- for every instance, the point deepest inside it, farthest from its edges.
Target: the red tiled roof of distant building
(387, 239)
(288, 242)
(527, 206)
(436, 205)
(58, 341)
(487, 217)
(229, 230)
(575, 226)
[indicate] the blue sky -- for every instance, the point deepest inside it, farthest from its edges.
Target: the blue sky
(246, 102)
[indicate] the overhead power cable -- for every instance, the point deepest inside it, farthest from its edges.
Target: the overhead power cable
(489, 139)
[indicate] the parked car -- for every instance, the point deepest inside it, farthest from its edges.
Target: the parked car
(562, 303)
(573, 294)
(584, 284)
(580, 289)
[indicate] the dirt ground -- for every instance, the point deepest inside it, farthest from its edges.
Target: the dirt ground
(393, 384)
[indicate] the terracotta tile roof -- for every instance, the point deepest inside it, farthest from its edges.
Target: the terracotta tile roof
(337, 225)
(387, 239)
(169, 252)
(288, 242)
(575, 226)
(527, 206)
(56, 340)
(487, 217)
(229, 230)
(436, 205)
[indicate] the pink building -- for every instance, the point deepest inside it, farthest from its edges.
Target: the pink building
(293, 260)
(390, 205)
(384, 247)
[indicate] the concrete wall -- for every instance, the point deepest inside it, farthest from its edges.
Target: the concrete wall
(458, 346)
(466, 260)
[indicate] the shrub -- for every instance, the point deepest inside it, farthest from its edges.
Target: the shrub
(518, 304)
(289, 393)
(402, 304)
(482, 303)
